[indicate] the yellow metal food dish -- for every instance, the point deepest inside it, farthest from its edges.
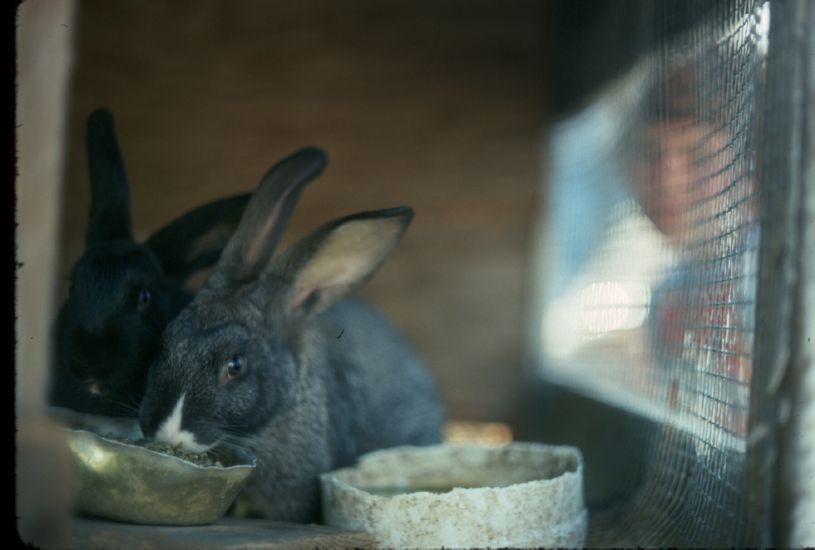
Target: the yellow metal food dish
(128, 482)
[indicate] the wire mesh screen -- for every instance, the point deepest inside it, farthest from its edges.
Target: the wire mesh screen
(648, 264)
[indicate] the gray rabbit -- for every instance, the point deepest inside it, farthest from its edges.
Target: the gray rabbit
(123, 293)
(270, 354)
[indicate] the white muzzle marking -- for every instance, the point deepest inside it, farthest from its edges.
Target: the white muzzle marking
(170, 431)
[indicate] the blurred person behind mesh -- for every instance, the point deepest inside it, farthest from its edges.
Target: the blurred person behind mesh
(694, 180)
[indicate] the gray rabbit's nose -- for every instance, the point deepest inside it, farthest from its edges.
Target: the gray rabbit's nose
(93, 387)
(148, 427)
(154, 409)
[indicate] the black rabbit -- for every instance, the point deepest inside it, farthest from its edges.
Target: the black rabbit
(270, 356)
(123, 293)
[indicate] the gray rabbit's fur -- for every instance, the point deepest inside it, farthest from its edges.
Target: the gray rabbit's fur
(271, 355)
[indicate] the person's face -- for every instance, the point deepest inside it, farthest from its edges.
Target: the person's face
(683, 173)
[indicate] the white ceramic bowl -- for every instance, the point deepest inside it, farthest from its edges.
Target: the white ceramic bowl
(516, 495)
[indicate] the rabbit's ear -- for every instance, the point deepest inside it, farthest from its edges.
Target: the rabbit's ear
(195, 240)
(110, 193)
(264, 219)
(339, 258)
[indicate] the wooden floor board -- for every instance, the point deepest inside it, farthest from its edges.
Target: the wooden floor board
(227, 533)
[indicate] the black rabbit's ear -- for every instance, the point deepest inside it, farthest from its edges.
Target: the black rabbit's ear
(110, 193)
(265, 218)
(195, 240)
(339, 258)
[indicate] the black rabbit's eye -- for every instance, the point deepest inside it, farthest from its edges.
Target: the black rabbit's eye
(234, 368)
(144, 299)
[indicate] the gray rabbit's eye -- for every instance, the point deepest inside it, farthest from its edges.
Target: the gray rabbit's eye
(144, 299)
(233, 368)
